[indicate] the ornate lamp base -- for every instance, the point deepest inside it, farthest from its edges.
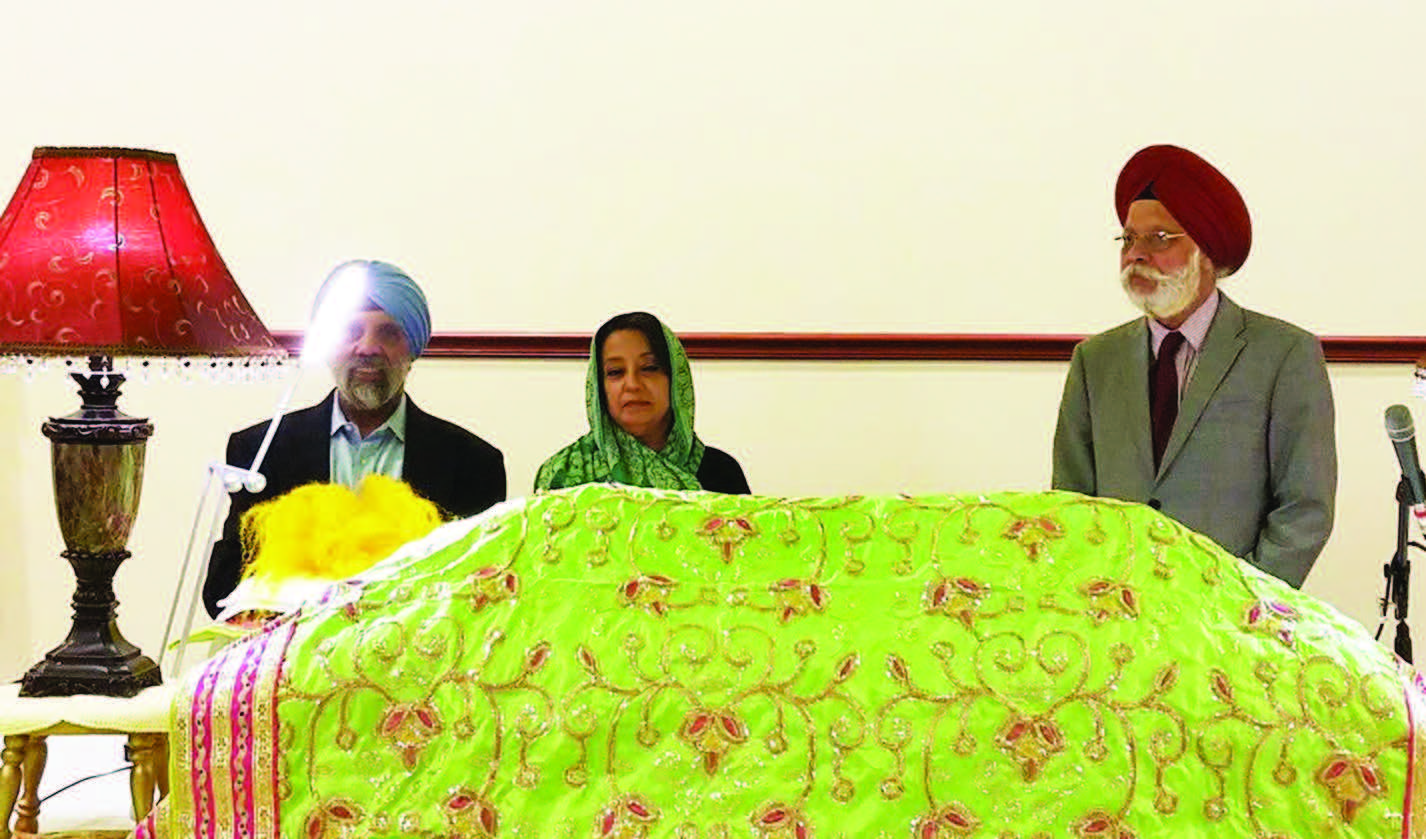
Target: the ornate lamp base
(95, 658)
(98, 458)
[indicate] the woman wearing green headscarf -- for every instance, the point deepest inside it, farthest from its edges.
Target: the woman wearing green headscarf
(638, 395)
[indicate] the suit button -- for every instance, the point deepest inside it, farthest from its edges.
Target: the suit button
(1156, 503)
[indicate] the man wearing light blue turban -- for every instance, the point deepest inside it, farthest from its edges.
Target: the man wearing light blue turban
(378, 284)
(370, 322)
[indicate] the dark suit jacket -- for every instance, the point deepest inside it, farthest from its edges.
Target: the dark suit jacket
(719, 472)
(1252, 460)
(445, 464)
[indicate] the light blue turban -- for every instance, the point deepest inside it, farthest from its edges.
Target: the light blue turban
(389, 289)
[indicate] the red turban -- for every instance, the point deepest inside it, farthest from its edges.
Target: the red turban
(1197, 195)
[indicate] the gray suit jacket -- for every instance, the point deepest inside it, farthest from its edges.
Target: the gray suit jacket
(1252, 461)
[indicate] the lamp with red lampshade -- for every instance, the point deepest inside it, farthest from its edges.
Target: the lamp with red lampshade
(103, 256)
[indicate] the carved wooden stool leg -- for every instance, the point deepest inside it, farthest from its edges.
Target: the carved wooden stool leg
(162, 766)
(27, 814)
(145, 751)
(10, 772)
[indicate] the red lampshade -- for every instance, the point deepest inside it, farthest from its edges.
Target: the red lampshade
(102, 252)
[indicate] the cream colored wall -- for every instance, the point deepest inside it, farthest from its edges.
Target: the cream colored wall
(15, 612)
(741, 165)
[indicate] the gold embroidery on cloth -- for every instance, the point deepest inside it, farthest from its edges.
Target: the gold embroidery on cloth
(758, 676)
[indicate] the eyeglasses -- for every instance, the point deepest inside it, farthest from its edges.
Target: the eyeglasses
(1153, 241)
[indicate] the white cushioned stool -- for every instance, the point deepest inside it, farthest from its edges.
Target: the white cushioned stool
(26, 722)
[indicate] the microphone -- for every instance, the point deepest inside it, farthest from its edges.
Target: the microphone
(1402, 432)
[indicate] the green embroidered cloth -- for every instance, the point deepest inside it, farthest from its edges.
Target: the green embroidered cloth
(641, 663)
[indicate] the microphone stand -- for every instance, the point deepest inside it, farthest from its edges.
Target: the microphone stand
(230, 478)
(1398, 575)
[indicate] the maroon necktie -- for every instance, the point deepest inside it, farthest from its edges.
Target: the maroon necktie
(1163, 393)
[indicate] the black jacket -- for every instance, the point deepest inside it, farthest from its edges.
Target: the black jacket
(719, 472)
(445, 464)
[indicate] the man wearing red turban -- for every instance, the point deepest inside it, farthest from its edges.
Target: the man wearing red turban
(1219, 416)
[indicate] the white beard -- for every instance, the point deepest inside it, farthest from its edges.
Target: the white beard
(369, 396)
(1172, 294)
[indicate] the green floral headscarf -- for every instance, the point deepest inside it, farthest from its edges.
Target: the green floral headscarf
(608, 453)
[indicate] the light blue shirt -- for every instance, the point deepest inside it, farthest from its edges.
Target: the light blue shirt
(382, 452)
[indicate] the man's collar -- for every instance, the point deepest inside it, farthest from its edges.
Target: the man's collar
(1194, 329)
(396, 422)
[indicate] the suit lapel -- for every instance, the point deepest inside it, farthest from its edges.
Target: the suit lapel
(1221, 348)
(1134, 412)
(418, 464)
(310, 431)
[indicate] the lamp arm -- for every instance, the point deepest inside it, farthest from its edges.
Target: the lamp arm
(254, 471)
(220, 474)
(232, 478)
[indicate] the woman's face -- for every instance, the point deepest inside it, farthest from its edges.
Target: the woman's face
(636, 387)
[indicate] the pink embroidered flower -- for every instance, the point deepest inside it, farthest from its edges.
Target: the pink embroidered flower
(1273, 618)
(409, 727)
(780, 821)
(337, 818)
(794, 598)
(1034, 534)
(1222, 687)
(1352, 781)
(713, 734)
(727, 535)
(958, 598)
(1031, 742)
(648, 591)
(471, 816)
(629, 817)
(492, 585)
(953, 821)
(1109, 599)
(537, 657)
(896, 666)
(1101, 825)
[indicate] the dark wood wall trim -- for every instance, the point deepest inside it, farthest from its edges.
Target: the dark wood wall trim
(858, 346)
